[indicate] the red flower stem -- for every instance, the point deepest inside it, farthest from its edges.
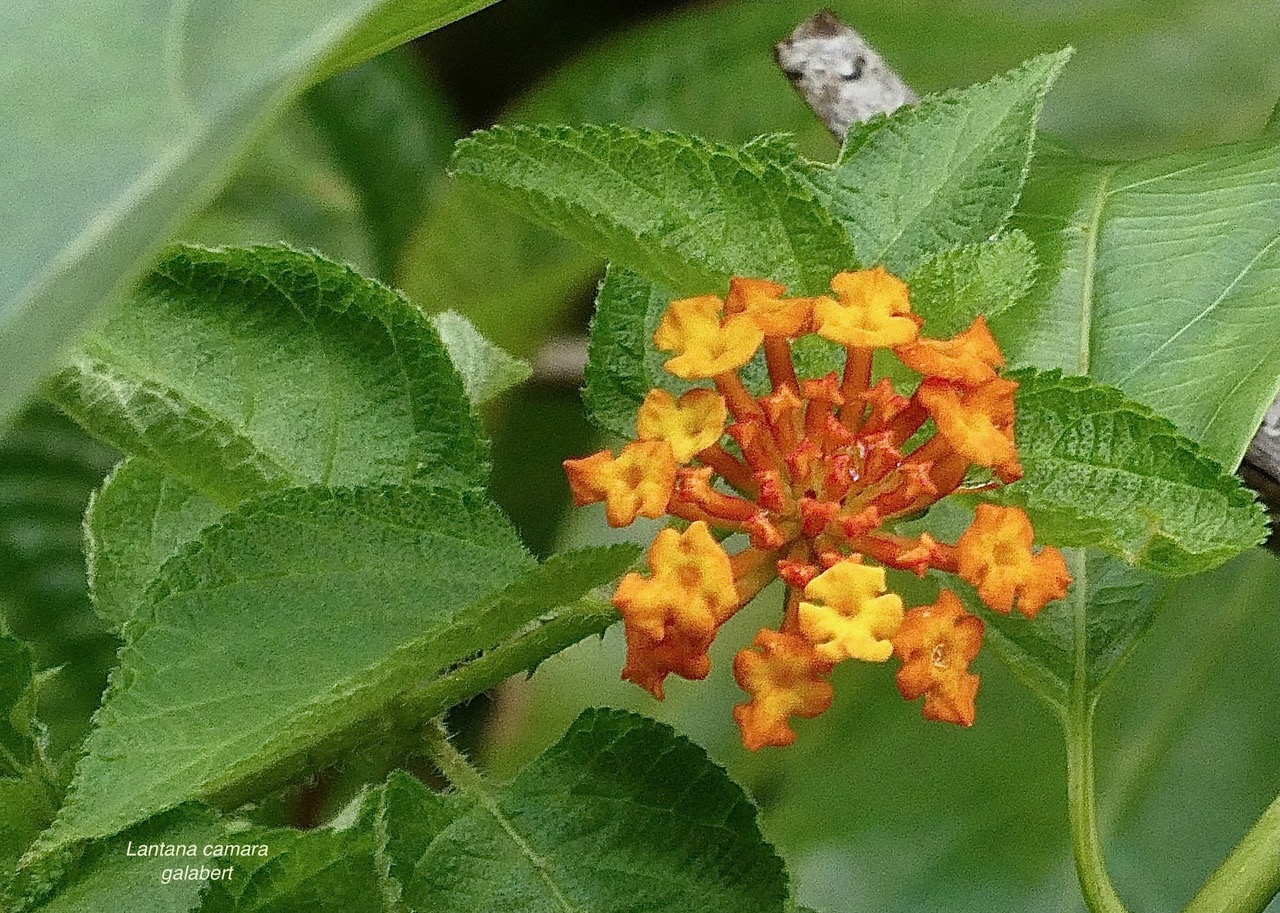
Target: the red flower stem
(729, 467)
(907, 422)
(857, 380)
(736, 396)
(782, 369)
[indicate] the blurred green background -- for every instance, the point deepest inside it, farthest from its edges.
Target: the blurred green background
(874, 809)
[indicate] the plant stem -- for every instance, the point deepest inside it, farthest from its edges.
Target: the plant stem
(1086, 842)
(1248, 878)
(1082, 800)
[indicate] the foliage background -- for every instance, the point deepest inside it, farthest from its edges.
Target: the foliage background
(874, 809)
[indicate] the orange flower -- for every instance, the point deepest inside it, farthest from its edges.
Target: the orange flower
(873, 310)
(636, 483)
(692, 589)
(977, 423)
(814, 473)
(855, 618)
(785, 678)
(649, 661)
(994, 554)
(762, 302)
(690, 424)
(705, 343)
(936, 644)
(969, 359)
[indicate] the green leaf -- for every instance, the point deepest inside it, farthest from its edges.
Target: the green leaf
(324, 868)
(621, 815)
(1159, 277)
(110, 875)
(136, 130)
(48, 468)
(487, 371)
(622, 364)
(391, 130)
(17, 728)
(136, 521)
(26, 796)
(683, 212)
(243, 371)
(943, 173)
(670, 74)
(1107, 472)
(289, 632)
(952, 288)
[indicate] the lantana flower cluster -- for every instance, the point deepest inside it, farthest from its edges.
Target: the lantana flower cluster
(815, 474)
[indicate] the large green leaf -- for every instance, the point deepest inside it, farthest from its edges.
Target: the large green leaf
(621, 815)
(278, 319)
(137, 129)
(1129, 267)
(287, 631)
(953, 287)
(240, 371)
(1160, 277)
(1107, 472)
(681, 211)
(939, 174)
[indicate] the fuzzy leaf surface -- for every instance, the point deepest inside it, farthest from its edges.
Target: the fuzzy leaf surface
(939, 174)
(1107, 472)
(245, 370)
(952, 288)
(138, 520)
(684, 212)
(136, 130)
(290, 629)
(621, 814)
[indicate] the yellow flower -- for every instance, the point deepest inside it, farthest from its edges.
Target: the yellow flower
(994, 554)
(873, 310)
(977, 422)
(705, 342)
(690, 425)
(855, 618)
(763, 303)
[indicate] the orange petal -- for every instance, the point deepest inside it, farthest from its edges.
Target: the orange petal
(785, 678)
(994, 554)
(969, 358)
(937, 643)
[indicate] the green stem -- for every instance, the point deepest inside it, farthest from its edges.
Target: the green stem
(1086, 841)
(1082, 800)
(1250, 876)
